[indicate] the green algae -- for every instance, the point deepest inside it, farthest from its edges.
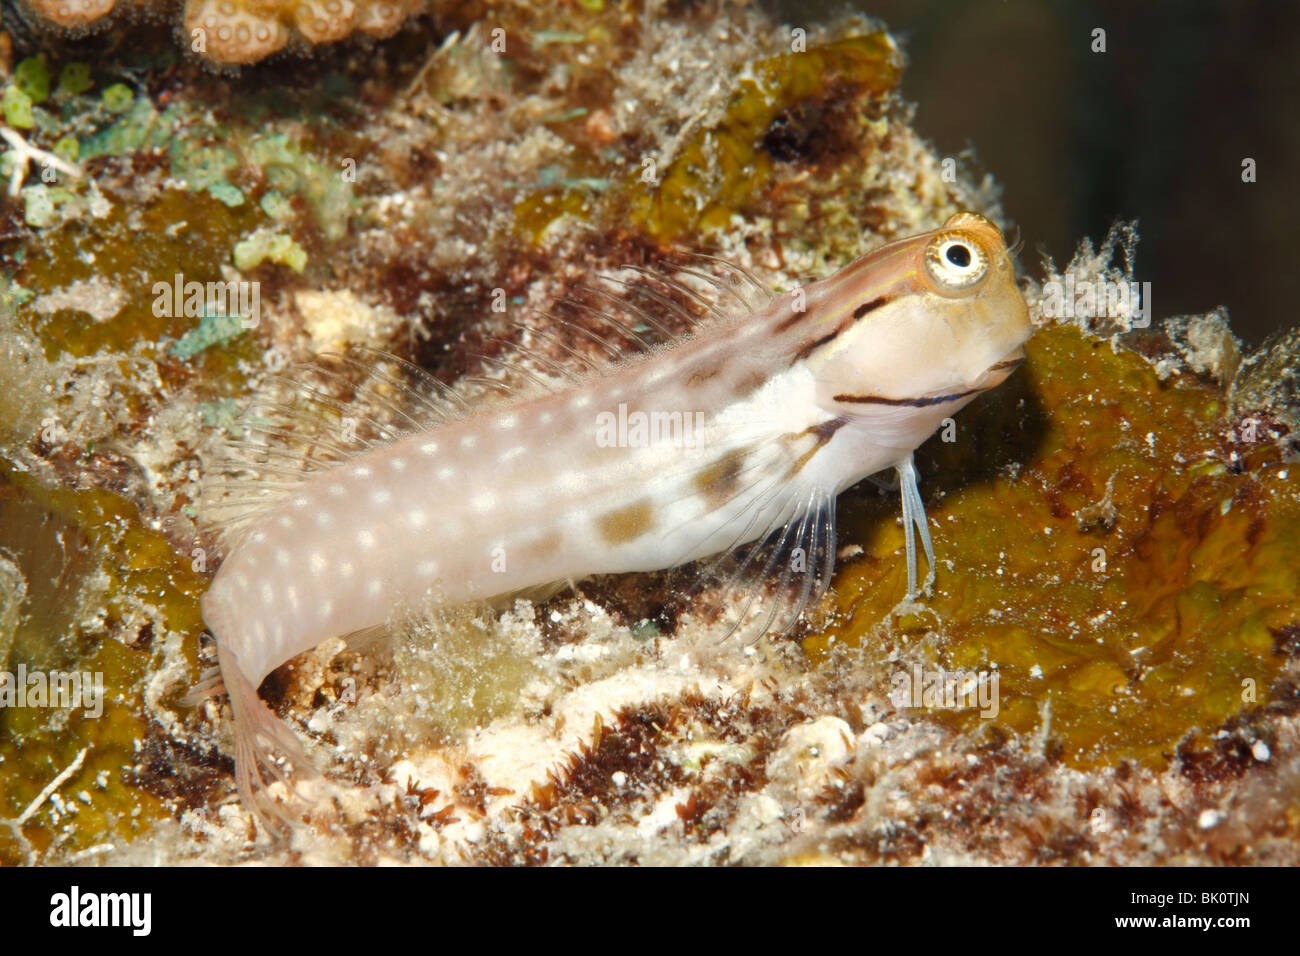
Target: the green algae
(118, 98)
(142, 127)
(212, 330)
(1128, 587)
(276, 206)
(32, 76)
(74, 79)
(89, 565)
(291, 170)
(43, 205)
(67, 149)
(17, 108)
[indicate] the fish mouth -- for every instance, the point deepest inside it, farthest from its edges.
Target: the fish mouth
(993, 376)
(1011, 362)
(999, 371)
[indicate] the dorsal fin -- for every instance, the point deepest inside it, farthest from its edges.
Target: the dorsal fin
(638, 310)
(314, 416)
(325, 412)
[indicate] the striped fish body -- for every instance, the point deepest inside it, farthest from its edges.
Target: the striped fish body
(740, 433)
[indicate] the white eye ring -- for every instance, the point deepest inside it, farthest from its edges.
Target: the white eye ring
(955, 262)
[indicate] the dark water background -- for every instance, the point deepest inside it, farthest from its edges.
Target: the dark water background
(1154, 129)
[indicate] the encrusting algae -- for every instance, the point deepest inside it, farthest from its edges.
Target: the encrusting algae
(1116, 526)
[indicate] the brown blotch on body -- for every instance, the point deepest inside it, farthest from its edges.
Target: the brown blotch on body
(700, 376)
(627, 524)
(718, 481)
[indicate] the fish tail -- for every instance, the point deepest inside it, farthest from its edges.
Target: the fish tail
(262, 743)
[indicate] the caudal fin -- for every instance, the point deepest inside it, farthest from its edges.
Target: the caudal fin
(262, 743)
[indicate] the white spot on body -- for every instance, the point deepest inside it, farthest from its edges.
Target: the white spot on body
(445, 473)
(318, 562)
(430, 448)
(507, 421)
(282, 557)
(570, 481)
(397, 464)
(468, 441)
(338, 491)
(512, 453)
(483, 502)
(361, 471)
(366, 538)
(662, 372)
(381, 496)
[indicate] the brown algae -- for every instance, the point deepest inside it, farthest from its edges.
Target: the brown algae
(1106, 557)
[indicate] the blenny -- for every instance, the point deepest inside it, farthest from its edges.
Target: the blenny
(730, 442)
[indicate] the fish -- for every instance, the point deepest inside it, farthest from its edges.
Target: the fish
(724, 447)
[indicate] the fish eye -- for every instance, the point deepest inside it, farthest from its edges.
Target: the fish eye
(955, 262)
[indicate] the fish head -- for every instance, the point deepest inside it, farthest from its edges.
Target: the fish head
(939, 313)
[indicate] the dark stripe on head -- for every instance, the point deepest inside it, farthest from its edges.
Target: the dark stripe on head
(811, 347)
(871, 306)
(794, 316)
(905, 402)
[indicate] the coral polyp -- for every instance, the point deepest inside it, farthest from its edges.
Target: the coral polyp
(241, 31)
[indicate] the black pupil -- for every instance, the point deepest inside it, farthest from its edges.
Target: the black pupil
(959, 256)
